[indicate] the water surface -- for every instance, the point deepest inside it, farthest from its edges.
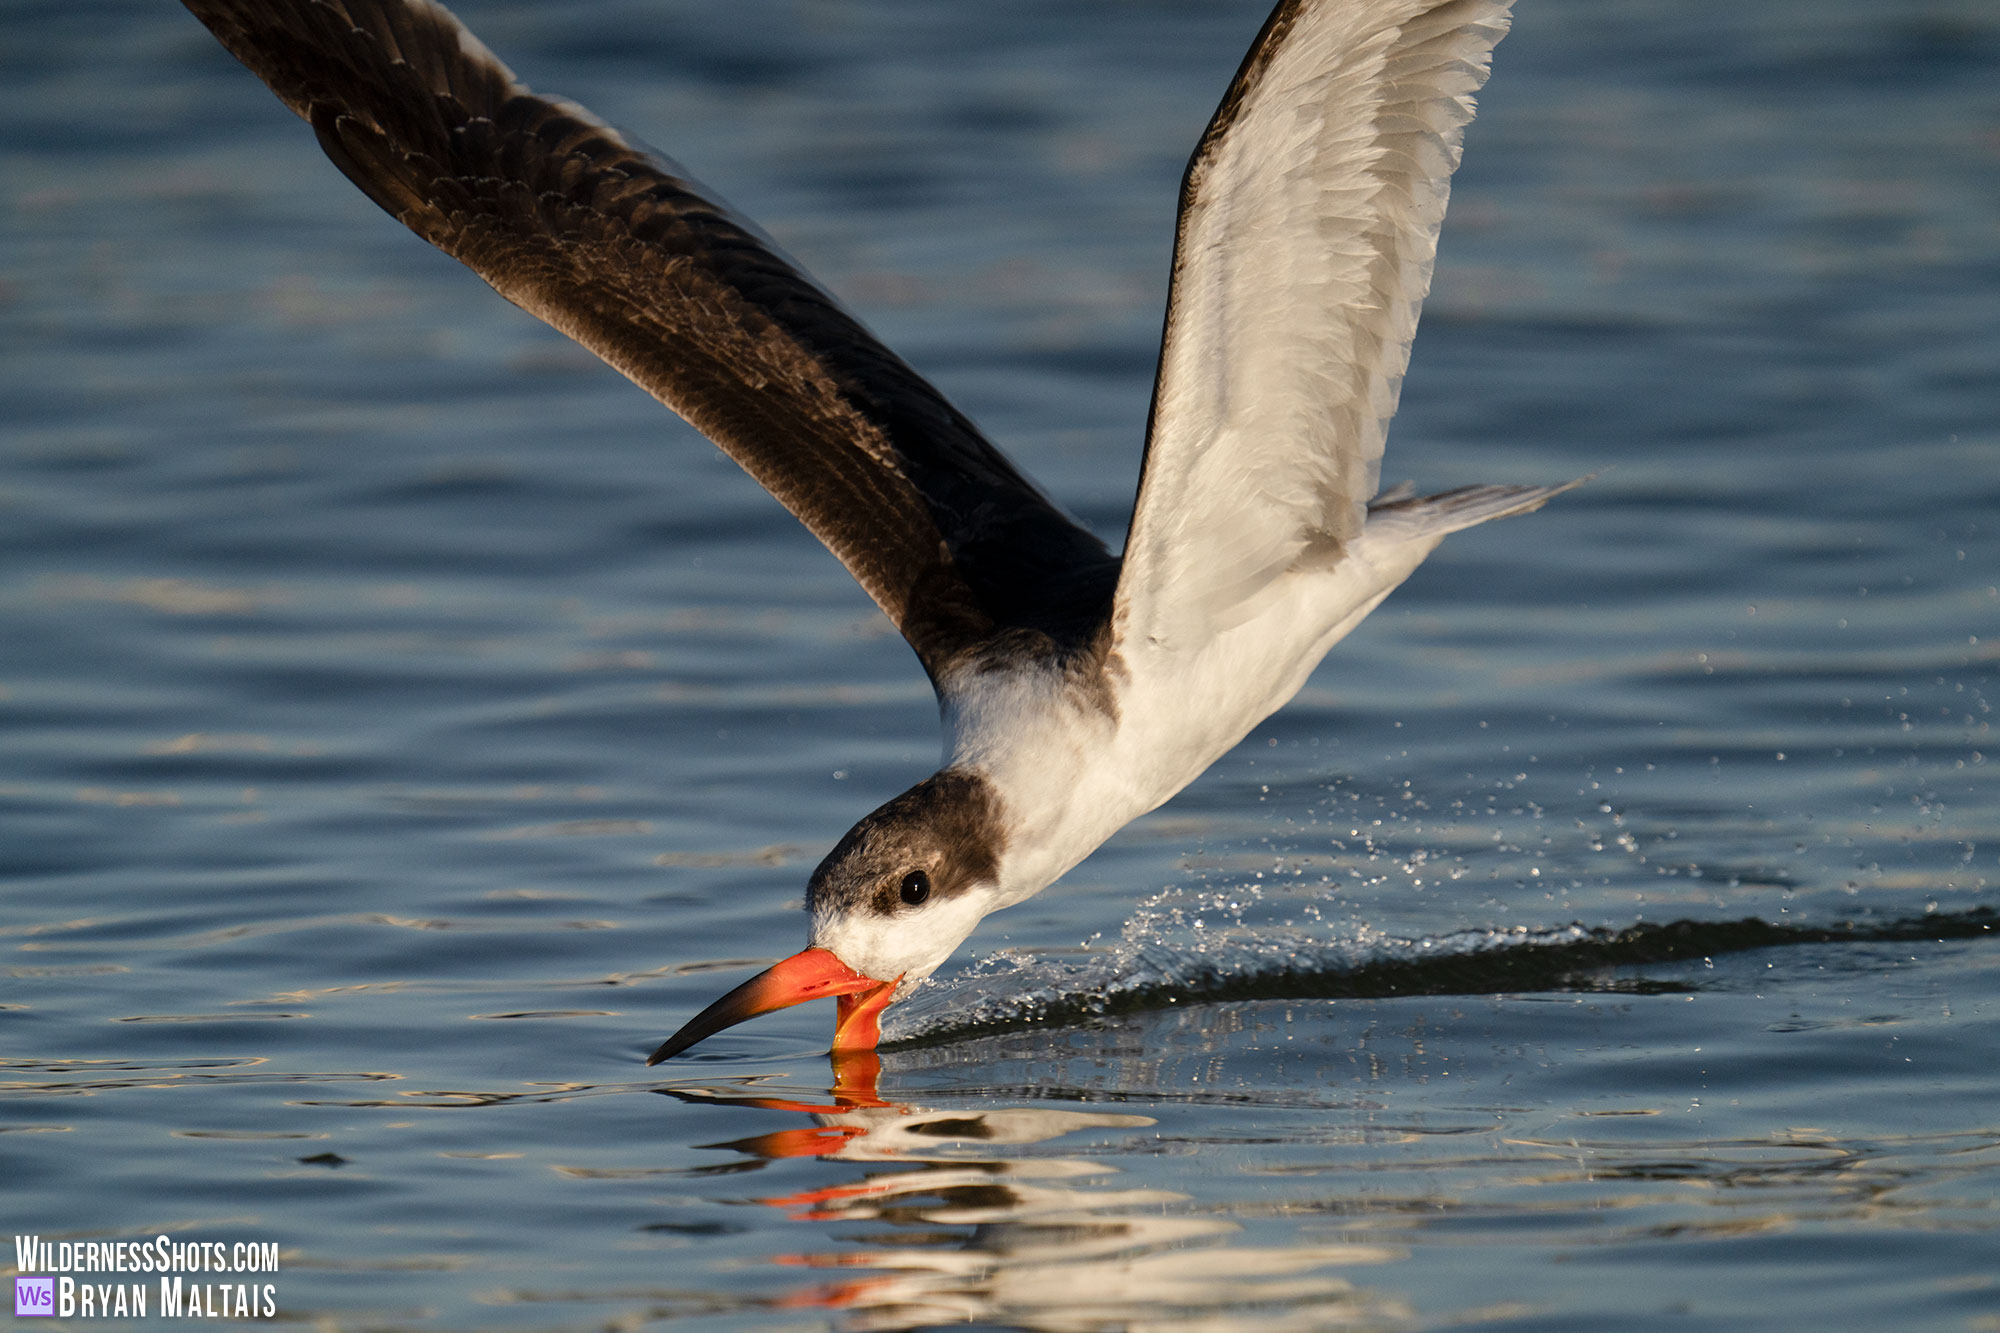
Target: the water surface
(405, 723)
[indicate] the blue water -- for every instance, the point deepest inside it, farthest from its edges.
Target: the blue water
(405, 723)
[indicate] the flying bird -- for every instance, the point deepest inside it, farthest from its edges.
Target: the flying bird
(1078, 689)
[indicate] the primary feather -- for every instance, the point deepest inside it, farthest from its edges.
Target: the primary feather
(620, 250)
(1308, 227)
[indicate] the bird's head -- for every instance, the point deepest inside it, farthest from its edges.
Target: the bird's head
(888, 904)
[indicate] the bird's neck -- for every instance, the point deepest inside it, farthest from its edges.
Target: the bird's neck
(1045, 739)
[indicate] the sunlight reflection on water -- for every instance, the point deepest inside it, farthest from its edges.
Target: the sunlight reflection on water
(406, 723)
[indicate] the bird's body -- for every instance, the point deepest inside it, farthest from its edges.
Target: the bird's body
(1078, 750)
(1078, 690)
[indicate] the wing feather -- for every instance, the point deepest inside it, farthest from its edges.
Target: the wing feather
(1308, 228)
(618, 249)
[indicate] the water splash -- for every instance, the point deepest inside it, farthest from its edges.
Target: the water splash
(1186, 947)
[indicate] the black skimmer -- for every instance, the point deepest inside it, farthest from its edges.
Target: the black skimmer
(1078, 689)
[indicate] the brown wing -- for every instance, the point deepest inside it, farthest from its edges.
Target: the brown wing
(605, 242)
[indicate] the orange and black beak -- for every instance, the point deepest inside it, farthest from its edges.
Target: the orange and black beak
(804, 976)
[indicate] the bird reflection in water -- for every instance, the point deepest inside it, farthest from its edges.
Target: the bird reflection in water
(976, 1232)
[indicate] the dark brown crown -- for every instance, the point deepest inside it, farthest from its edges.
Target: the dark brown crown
(947, 826)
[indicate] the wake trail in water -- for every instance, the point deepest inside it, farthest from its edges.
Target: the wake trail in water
(1146, 971)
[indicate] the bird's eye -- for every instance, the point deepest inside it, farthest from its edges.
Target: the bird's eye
(916, 887)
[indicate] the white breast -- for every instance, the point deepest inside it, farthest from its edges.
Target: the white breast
(1071, 772)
